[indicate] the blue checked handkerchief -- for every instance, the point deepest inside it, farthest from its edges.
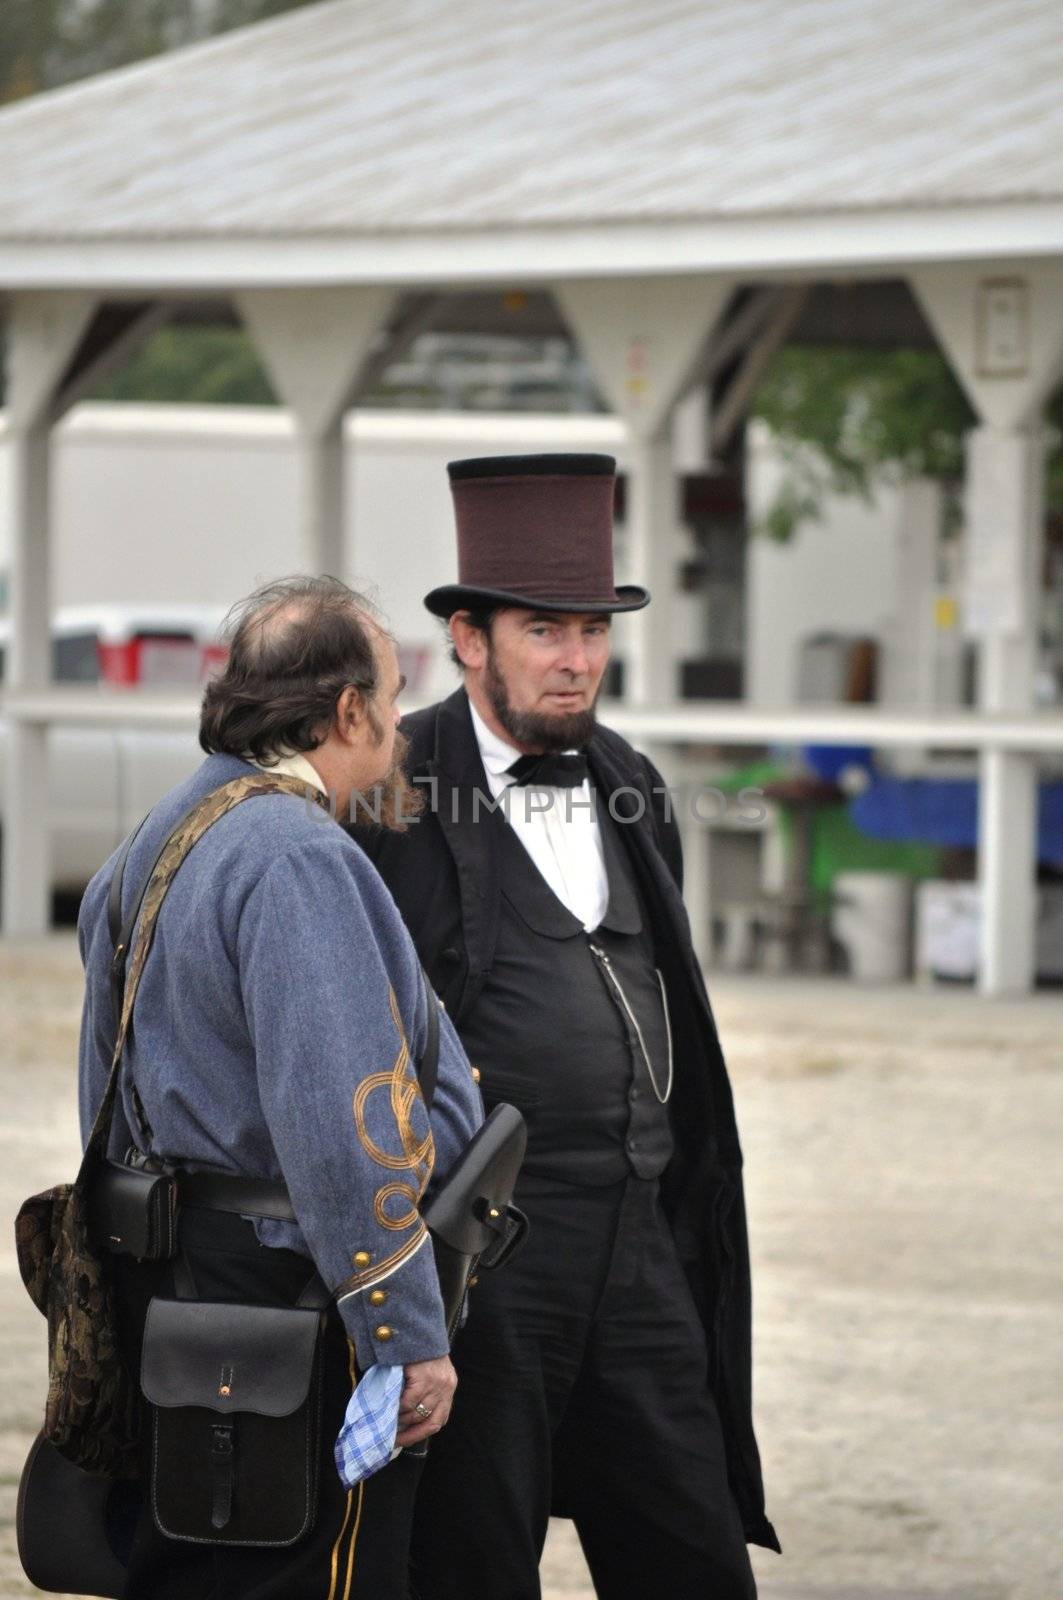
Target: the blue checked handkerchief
(367, 1438)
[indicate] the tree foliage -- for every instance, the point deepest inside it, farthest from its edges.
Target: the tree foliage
(847, 418)
(202, 366)
(46, 43)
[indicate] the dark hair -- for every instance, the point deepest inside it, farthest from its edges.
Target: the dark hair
(295, 645)
(478, 617)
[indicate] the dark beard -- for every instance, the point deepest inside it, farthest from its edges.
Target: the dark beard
(567, 730)
(394, 802)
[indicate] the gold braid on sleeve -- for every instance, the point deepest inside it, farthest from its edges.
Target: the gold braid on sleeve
(418, 1155)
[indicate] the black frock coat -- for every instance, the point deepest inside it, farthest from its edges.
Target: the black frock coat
(444, 875)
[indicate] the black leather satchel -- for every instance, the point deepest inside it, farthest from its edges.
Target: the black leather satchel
(236, 1400)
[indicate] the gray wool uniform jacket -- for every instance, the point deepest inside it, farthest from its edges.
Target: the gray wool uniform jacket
(274, 1034)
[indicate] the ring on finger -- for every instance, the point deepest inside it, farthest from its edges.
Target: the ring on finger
(423, 1411)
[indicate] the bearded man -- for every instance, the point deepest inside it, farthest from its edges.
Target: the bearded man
(605, 1374)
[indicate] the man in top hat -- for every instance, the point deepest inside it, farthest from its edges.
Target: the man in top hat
(604, 1373)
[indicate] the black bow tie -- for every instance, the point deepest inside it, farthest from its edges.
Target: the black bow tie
(560, 772)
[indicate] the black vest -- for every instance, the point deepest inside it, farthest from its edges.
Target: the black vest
(572, 1028)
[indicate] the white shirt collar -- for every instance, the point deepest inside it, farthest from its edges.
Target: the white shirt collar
(293, 766)
(564, 842)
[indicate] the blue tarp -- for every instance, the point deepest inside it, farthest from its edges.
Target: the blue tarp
(945, 811)
(829, 761)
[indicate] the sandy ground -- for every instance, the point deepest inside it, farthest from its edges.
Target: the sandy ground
(906, 1206)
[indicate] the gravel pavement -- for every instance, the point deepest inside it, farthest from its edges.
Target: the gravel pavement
(906, 1207)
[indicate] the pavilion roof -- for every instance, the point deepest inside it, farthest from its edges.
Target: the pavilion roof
(460, 118)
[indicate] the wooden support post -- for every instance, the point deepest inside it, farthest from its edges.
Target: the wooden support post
(1005, 528)
(314, 345)
(1007, 833)
(1003, 335)
(43, 333)
(321, 533)
(645, 340)
(26, 866)
(651, 667)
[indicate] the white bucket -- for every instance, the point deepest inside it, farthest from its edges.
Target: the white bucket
(871, 920)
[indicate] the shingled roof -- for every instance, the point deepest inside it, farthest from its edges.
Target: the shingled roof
(385, 118)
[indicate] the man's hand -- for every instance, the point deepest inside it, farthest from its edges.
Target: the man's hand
(430, 1385)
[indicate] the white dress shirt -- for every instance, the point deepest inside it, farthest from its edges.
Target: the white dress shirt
(558, 828)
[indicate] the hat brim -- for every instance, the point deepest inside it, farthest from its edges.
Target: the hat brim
(62, 1518)
(451, 597)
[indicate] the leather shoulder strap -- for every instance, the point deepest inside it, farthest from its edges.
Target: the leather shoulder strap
(114, 922)
(114, 890)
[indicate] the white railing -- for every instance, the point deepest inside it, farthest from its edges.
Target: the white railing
(688, 722)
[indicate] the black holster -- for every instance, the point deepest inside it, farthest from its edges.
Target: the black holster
(133, 1209)
(472, 1220)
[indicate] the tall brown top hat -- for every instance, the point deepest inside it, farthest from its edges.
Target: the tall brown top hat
(535, 531)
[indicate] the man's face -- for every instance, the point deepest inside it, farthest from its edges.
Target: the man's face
(378, 750)
(380, 773)
(541, 673)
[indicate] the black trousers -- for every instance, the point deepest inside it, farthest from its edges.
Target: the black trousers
(583, 1383)
(358, 1548)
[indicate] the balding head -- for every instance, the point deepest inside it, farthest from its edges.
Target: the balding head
(295, 646)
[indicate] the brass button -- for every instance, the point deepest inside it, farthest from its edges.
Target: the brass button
(475, 1074)
(383, 1333)
(362, 1258)
(378, 1297)
(473, 1282)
